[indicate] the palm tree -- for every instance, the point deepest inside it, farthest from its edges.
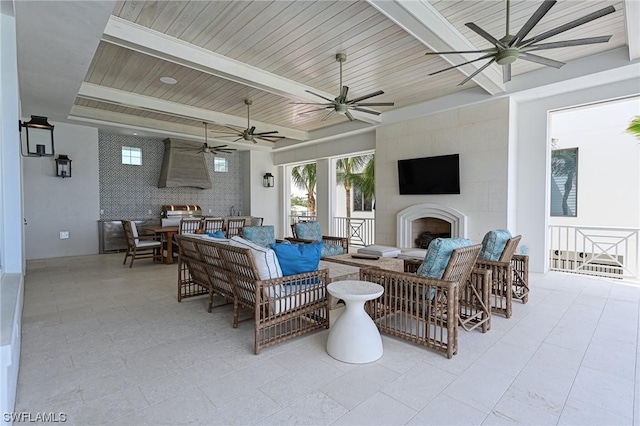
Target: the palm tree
(348, 170)
(634, 127)
(366, 181)
(304, 177)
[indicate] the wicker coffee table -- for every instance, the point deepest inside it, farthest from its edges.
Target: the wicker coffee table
(388, 263)
(354, 337)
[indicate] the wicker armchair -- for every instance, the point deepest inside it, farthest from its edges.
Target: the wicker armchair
(424, 311)
(502, 274)
(474, 297)
(520, 264)
(340, 241)
(146, 246)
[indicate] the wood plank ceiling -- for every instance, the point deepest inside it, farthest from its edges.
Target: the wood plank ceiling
(297, 41)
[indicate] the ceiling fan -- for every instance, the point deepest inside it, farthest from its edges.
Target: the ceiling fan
(220, 149)
(511, 47)
(341, 104)
(249, 134)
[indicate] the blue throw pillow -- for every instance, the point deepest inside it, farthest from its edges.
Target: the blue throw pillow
(297, 258)
(493, 244)
(438, 255)
(217, 234)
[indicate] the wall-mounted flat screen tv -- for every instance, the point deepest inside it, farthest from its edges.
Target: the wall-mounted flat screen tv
(430, 175)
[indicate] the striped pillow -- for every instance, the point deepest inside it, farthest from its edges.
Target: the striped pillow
(264, 258)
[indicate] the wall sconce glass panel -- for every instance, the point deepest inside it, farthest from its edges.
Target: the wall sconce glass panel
(63, 166)
(267, 180)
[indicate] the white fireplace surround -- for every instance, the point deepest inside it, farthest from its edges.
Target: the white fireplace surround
(456, 218)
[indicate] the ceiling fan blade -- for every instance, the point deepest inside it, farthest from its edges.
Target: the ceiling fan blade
(320, 96)
(462, 51)
(368, 111)
(566, 27)
(362, 98)
(478, 71)
(540, 60)
(533, 20)
(328, 115)
(459, 65)
(506, 73)
(368, 104)
(266, 140)
(269, 136)
(349, 116)
(251, 130)
(485, 34)
(343, 94)
(228, 136)
(239, 139)
(566, 43)
(266, 133)
(317, 109)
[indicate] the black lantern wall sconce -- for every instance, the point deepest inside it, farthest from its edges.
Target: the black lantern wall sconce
(267, 180)
(63, 166)
(39, 137)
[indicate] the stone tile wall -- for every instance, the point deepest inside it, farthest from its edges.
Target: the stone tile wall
(131, 192)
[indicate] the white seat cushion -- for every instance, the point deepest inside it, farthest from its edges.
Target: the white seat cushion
(147, 244)
(264, 258)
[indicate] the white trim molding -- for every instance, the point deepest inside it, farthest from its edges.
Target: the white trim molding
(456, 218)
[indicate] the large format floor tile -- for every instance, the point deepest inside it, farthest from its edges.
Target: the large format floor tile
(106, 344)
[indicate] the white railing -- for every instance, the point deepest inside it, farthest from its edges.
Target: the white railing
(361, 232)
(602, 251)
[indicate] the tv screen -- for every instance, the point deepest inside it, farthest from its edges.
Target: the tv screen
(430, 175)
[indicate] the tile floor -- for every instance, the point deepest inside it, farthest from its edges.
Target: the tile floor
(103, 343)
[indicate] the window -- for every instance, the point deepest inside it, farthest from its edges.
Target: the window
(360, 202)
(564, 182)
(220, 164)
(131, 155)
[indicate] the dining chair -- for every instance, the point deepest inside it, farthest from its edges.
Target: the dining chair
(145, 246)
(234, 226)
(213, 224)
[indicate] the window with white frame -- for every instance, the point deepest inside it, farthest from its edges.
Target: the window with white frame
(360, 202)
(220, 164)
(131, 155)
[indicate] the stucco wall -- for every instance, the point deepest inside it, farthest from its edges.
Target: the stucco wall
(480, 134)
(53, 204)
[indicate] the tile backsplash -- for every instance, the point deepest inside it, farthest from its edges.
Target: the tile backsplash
(130, 192)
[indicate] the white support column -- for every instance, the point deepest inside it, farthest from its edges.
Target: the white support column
(324, 203)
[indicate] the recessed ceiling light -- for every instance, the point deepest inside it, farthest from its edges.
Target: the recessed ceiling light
(135, 134)
(168, 80)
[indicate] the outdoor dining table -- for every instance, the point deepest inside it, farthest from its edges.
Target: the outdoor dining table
(167, 233)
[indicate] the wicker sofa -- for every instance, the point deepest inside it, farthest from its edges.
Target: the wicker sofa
(282, 308)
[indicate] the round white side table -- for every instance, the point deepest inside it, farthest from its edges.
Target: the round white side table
(354, 337)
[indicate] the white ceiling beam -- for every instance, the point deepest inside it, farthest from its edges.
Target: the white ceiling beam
(150, 42)
(128, 124)
(120, 97)
(428, 26)
(632, 17)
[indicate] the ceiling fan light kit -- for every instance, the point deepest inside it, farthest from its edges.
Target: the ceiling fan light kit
(341, 104)
(512, 47)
